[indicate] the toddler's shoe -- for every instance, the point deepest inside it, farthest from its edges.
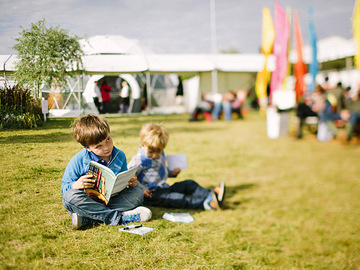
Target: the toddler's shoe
(79, 222)
(139, 214)
(211, 202)
(220, 192)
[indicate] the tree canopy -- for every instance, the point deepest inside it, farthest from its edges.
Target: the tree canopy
(46, 55)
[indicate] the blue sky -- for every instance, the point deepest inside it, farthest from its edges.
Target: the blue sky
(170, 26)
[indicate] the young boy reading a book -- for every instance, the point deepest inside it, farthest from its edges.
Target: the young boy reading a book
(93, 132)
(152, 173)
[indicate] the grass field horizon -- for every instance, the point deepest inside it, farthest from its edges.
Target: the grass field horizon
(290, 204)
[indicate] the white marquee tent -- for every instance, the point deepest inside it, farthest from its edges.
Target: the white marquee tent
(116, 55)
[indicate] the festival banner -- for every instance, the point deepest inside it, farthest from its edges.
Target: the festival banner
(268, 36)
(313, 68)
(282, 33)
(299, 65)
(356, 32)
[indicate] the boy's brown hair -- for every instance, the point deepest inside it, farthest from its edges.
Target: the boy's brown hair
(90, 129)
(154, 136)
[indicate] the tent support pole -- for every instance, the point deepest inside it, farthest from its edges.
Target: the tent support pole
(148, 92)
(214, 81)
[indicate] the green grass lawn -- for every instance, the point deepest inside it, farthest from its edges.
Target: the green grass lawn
(289, 204)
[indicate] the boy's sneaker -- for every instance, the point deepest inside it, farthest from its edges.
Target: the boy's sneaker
(79, 222)
(139, 214)
(220, 191)
(211, 202)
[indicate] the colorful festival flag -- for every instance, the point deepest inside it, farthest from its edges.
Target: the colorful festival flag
(282, 33)
(313, 68)
(299, 65)
(356, 32)
(268, 36)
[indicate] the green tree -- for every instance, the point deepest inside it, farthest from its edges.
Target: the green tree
(46, 55)
(230, 50)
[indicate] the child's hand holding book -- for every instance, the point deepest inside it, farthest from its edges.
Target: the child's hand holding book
(133, 181)
(85, 181)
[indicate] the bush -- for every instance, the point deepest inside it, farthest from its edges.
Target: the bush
(18, 109)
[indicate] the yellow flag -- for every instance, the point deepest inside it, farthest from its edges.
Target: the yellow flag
(268, 32)
(356, 32)
(268, 37)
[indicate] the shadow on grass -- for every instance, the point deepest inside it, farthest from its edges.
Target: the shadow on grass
(158, 212)
(231, 191)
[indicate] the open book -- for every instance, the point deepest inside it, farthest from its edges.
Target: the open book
(107, 183)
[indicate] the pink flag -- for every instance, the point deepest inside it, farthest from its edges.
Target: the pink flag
(282, 33)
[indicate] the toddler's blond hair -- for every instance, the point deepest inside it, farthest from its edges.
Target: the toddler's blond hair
(154, 136)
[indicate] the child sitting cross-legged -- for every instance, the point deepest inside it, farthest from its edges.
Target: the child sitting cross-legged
(93, 133)
(152, 173)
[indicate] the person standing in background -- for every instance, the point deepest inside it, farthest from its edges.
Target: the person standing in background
(98, 98)
(124, 97)
(105, 94)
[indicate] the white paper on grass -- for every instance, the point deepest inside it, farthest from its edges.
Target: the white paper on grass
(179, 217)
(177, 161)
(137, 230)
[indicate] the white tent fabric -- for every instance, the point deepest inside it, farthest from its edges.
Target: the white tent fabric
(329, 49)
(116, 54)
(109, 44)
(161, 63)
(7, 62)
(243, 62)
(177, 63)
(114, 64)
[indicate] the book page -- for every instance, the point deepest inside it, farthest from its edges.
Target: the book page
(177, 161)
(122, 180)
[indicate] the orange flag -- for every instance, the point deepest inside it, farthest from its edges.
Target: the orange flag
(299, 66)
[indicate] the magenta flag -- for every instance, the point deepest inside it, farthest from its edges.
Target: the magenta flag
(280, 51)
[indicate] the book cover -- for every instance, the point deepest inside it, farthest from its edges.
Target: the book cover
(108, 184)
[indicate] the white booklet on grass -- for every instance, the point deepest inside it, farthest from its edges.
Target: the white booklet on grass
(136, 229)
(178, 217)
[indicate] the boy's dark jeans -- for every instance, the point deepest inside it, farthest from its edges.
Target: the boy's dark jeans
(186, 194)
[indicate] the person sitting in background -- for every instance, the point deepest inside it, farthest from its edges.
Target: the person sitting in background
(237, 104)
(312, 105)
(230, 102)
(204, 107)
(341, 119)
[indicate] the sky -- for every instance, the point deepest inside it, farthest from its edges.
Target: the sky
(171, 26)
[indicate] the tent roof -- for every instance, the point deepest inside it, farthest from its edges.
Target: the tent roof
(243, 62)
(7, 63)
(166, 63)
(328, 49)
(114, 64)
(109, 44)
(179, 63)
(117, 54)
